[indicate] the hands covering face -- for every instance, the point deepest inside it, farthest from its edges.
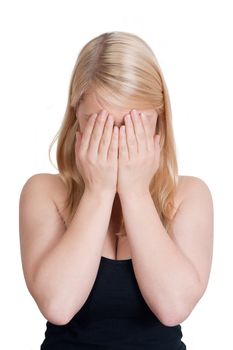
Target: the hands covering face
(139, 154)
(118, 159)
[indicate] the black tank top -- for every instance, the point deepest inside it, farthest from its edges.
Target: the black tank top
(114, 317)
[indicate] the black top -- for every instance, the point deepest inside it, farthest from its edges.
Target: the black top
(114, 317)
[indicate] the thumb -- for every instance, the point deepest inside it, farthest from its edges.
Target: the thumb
(78, 139)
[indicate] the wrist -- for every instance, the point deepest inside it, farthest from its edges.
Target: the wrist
(99, 195)
(134, 195)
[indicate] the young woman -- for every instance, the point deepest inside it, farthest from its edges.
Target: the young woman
(117, 247)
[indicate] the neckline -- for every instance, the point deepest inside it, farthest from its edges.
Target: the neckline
(115, 261)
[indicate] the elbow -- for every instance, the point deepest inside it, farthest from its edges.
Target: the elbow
(58, 314)
(174, 316)
(55, 313)
(180, 310)
(173, 319)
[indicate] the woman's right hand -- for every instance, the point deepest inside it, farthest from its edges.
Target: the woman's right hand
(96, 152)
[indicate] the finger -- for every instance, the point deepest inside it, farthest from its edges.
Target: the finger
(106, 137)
(97, 132)
(113, 149)
(130, 137)
(123, 148)
(87, 133)
(139, 132)
(157, 143)
(78, 140)
(148, 132)
(153, 120)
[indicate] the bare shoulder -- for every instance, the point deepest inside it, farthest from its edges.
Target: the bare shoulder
(40, 223)
(49, 182)
(52, 186)
(187, 181)
(189, 186)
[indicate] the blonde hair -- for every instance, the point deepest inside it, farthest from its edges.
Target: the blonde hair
(123, 71)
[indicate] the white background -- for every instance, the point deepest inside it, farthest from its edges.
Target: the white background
(40, 41)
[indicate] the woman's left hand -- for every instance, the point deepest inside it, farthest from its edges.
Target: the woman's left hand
(139, 155)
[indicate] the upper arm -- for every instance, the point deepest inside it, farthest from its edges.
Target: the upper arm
(193, 225)
(40, 226)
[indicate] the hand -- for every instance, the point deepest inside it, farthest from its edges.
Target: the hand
(139, 155)
(96, 154)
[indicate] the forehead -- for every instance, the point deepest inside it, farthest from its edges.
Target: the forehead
(91, 104)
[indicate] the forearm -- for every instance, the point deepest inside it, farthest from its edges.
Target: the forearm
(67, 273)
(167, 279)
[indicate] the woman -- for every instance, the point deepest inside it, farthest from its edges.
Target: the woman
(116, 248)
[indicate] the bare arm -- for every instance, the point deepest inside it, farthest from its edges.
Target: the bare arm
(172, 271)
(64, 276)
(60, 267)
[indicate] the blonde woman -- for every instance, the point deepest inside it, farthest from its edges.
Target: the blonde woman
(116, 247)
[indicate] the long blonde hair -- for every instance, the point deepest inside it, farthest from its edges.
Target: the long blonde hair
(123, 71)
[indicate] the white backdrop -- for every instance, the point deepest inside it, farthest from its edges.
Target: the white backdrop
(40, 41)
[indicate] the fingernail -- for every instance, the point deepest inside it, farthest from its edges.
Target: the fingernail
(127, 117)
(134, 113)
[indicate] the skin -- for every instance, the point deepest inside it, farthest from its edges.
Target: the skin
(172, 270)
(173, 297)
(138, 130)
(92, 105)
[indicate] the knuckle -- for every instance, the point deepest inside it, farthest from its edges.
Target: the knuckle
(102, 162)
(132, 141)
(112, 148)
(89, 158)
(141, 133)
(103, 141)
(94, 137)
(80, 155)
(108, 125)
